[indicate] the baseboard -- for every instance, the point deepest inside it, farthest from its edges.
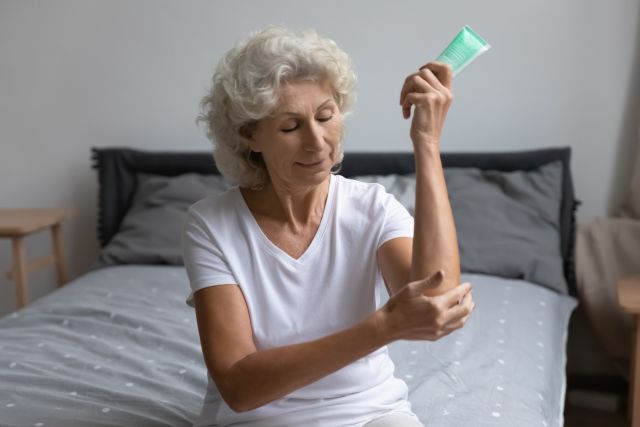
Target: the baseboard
(609, 383)
(598, 400)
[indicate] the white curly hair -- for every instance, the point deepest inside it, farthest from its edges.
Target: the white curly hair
(246, 85)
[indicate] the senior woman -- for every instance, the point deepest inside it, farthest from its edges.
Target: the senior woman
(283, 267)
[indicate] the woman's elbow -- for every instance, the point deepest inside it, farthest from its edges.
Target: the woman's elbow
(234, 399)
(238, 399)
(238, 405)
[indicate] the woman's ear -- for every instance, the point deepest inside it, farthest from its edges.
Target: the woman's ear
(247, 132)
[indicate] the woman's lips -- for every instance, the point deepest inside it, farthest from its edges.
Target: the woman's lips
(309, 165)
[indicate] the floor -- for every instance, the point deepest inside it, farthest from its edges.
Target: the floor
(611, 385)
(580, 417)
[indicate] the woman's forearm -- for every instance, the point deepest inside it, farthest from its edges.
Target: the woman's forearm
(267, 375)
(435, 243)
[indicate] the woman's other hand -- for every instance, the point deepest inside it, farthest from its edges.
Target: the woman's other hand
(429, 91)
(410, 314)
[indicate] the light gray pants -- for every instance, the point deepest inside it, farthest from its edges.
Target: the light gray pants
(395, 419)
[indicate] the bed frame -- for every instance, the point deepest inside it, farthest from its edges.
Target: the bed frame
(119, 166)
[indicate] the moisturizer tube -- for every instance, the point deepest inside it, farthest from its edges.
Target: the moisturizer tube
(464, 48)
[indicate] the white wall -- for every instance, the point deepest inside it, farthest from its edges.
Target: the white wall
(81, 73)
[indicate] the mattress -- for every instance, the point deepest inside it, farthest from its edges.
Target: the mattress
(119, 347)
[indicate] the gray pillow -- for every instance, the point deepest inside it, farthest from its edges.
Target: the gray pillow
(150, 232)
(508, 223)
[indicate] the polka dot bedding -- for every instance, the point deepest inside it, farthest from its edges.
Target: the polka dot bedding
(506, 367)
(116, 347)
(119, 347)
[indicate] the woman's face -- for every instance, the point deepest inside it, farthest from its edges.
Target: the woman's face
(299, 141)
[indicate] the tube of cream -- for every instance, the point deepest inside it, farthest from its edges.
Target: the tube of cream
(463, 49)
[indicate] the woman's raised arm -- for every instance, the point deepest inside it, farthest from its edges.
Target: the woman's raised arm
(435, 243)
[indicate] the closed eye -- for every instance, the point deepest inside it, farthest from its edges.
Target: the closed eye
(321, 119)
(290, 129)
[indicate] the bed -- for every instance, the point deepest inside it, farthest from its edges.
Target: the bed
(118, 346)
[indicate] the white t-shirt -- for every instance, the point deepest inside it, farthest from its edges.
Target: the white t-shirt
(332, 286)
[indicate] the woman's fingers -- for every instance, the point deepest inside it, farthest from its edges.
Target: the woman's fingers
(413, 87)
(423, 87)
(413, 98)
(414, 83)
(412, 315)
(460, 306)
(434, 75)
(460, 311)
(454, 296)
(429, 90)
(457, 316)
(433, 281)
(430, 77)
(442, 71)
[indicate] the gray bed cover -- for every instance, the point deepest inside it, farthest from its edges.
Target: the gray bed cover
(119, 347)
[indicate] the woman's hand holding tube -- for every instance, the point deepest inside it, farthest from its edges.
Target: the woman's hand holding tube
(410, 314)
(429, 91)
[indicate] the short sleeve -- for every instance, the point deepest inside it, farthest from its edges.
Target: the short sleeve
(398, 222)
(203, 259)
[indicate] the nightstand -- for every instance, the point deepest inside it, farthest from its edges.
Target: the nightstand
(629, 298)
(19, 223)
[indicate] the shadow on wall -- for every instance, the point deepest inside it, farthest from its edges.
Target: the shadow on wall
(629, 137)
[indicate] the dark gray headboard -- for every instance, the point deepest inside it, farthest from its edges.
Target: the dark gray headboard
(117, 169)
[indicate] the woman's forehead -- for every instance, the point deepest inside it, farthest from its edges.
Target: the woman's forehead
(302, 96)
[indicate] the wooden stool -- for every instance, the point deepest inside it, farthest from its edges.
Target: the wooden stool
(17, 224)
(629, 299)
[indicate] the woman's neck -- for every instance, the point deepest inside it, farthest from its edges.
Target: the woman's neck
(294, 206)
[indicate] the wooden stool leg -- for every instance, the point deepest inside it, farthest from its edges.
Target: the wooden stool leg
(57, 251)
(634, 401)
(20, 271)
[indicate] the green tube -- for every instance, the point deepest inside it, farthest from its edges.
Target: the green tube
(464, 48)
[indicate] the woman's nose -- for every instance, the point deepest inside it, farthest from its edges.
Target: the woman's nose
(314, 139)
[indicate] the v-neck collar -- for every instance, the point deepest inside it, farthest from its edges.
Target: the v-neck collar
(275, 249)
